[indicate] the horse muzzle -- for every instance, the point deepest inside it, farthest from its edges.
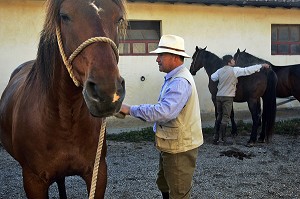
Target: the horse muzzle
(101, 100)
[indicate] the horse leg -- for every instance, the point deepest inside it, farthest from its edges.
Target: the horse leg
(259, 112)
(262, 135)
(233, 124)
(34, 186)
(62, 188)
(252, 104)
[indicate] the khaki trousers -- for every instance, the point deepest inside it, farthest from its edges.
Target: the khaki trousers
(176, 172)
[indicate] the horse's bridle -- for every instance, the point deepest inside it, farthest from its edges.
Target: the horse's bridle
(196, 57)
(68, 61)
(237, 58)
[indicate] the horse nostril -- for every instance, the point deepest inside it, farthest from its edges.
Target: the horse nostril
(93, 92)
(122, 82)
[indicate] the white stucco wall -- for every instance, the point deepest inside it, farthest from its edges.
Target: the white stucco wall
(221, 29)
(20, 25)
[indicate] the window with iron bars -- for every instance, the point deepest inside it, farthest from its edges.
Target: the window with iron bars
(285, 39)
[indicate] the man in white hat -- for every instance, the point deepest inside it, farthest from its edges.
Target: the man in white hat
(177, 127)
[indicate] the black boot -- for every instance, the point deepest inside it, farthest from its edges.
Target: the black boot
(216, 135)
(165, 195)
(223, 132)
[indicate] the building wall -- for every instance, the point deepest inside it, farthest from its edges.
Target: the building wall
(221, 29)
(21, 23)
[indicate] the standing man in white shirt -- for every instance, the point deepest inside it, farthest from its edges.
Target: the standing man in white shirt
(178, 131)
(227, 77)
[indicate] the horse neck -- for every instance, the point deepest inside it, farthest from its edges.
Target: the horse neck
(64, 88)
(63, 96)
(212, 64)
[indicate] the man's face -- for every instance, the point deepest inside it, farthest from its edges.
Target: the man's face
(231, 63)
(165, 62)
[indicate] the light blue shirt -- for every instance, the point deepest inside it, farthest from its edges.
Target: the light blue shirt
(169, 104)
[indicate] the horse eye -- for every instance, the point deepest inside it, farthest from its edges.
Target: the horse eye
(64, 17)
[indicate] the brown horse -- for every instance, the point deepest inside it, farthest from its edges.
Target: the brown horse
(47, 123)
(249, 89)
(288, 76)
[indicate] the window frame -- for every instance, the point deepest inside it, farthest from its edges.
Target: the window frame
(131, 42)
(289, 43)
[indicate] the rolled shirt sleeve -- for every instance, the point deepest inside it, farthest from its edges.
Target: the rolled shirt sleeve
(215, 76)
(169, 106)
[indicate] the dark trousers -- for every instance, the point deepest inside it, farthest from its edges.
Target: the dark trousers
(224, 106)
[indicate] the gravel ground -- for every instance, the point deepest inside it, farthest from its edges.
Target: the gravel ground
(260, 172)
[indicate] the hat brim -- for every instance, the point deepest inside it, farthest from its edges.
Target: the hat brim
(164, 50)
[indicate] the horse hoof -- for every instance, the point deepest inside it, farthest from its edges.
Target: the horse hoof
(250, 144)
(234, 135)
(260, 140)
(215, 142)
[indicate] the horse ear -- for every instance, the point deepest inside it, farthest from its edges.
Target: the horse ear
(197, 48)
(205, 48)
(244, 50)
(238, 50)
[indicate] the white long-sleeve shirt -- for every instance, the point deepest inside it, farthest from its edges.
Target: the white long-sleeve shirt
(227, 77)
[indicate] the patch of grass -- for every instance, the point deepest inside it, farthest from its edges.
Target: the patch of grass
(145, 134)
(288, 127)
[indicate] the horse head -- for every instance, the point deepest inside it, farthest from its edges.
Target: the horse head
(240, 57)
(243, 58)
(197, 60)
(87, 35)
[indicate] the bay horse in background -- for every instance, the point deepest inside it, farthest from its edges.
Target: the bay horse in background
(47, 123)
(288, 75)
(249, 89)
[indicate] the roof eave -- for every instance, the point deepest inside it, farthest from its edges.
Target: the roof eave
(244, 3)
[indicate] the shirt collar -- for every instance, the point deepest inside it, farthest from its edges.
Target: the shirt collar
(173, 72)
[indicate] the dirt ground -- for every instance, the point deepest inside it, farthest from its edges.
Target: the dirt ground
(223, 172)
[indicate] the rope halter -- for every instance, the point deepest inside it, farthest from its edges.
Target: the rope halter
(68, 61)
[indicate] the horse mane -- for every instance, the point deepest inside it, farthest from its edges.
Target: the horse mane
(48, 53)
(213, 62)
(251, 59)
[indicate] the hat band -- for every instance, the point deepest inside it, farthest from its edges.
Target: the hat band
(171, 48)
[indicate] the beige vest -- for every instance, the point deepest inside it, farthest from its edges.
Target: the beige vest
(185, 132)
(227, 82)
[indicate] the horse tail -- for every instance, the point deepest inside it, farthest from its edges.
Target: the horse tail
(269, 104)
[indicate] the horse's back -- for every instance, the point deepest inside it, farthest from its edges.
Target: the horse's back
(9, 101)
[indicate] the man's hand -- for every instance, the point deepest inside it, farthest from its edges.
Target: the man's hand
(125, 109)
(265, 65)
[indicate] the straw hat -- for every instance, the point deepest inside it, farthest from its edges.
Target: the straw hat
(171, 44)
